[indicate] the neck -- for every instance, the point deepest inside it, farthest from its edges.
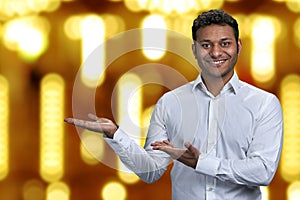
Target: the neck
(215, 84)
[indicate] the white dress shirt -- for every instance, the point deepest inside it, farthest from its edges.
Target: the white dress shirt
(238, 133)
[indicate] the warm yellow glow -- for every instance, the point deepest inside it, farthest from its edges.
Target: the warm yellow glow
(265, 192)
(133, 6)
(51, 127)
(128, 177)
(58, 190)
(209, 4)
(154, 40)
(4, 127)
(263, 49)
(129, 91)
(93, 50)
(293, 5)
(114, 191)
(113, 24)
(293, 191)
(290, 100)
(92, 147)
(33, 189)
(145, 123)
(28, 36)
(297, 32)
(72, 27)
(9, 8)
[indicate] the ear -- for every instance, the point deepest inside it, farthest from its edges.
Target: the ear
(239, 46)
(194, 48)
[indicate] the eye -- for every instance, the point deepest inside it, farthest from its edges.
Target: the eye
(205, 45)
(225, 44)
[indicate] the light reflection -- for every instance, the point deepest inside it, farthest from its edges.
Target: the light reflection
(113, 191)
(263, 49)
(290, 100)
(4, 127)
(51, 128)
(154, 37)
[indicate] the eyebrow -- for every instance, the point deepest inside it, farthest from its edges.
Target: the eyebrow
(223, 39)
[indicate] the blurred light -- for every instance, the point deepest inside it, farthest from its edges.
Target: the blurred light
(244, 26)
(51, 127)
(154, 43)
(27, 36)
(113, 24)
(91, 147)
(297, 32)
(172, 7)
(33, 190)
(113, 191)
(129, 91)
(293, 191)
(58, 190)
(145, 123)
(293, 5)
(128, 177)
(264, 192)
(263, 48)
(9, 8)
(209, 4)
(72, 27)
(93, 34)
(290, 100)
(133, 6)
(4, 127)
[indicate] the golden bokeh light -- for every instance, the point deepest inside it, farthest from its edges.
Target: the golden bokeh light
(28, 36)
(263, 49)
(51, 127)
(290, 99)
(58, 190)
(293, 191)
(91, 147)
(154, 37)
(93, 50)
(114, 191)
(34, 189)
(4, 127)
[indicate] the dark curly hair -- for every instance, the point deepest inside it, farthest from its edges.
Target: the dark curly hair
(215, 17)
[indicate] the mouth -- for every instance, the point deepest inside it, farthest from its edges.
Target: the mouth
(217, 63)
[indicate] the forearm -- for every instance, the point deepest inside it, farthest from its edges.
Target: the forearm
(149, 165)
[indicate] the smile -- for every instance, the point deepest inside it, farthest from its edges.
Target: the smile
(218, 62)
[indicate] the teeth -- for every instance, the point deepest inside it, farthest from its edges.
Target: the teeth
(218, 61)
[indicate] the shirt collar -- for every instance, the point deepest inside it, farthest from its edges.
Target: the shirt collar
(233, 84)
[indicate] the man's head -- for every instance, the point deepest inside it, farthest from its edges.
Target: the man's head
(218, 17)
(216, 44)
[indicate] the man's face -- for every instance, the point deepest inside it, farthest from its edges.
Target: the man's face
(216, 51)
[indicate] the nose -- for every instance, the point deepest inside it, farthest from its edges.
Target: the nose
(216, 51)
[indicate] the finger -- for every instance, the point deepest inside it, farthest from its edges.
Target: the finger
(92, 117)
(168, 143)
(188, 145)
(69, 120)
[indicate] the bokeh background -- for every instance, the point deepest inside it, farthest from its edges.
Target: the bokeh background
(43, 47)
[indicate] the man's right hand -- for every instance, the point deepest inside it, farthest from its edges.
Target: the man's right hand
(100, 125)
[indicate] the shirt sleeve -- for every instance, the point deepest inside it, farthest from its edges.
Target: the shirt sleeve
(147, 163)
(261, 162)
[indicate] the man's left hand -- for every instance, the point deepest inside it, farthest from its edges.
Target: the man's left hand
(188, 156)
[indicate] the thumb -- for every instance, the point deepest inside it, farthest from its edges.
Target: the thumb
(189, 146)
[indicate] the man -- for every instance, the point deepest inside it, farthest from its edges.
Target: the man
(224, 135)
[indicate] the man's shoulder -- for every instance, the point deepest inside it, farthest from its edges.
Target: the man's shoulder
(254, 91)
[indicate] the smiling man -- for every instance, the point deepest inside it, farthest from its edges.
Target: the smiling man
(224, 135)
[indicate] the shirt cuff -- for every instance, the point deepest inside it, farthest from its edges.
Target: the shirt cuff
(207, 165)
(120, 140)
